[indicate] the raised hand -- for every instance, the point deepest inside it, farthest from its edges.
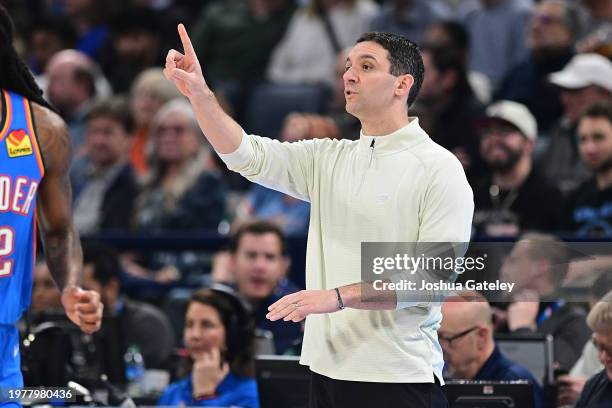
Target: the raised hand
(208, 371)
(184, 70)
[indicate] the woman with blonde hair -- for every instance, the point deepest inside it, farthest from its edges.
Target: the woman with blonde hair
(182, 190)
(150, 91)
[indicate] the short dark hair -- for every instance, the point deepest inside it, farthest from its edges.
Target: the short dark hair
(104, 260)
(445, 59)
(258, 227)
(601, 109)
(116, 109)
(404, 56)
(136, 19)
(457, 34)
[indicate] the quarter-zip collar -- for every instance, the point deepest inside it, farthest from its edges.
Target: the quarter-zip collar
(401, 139)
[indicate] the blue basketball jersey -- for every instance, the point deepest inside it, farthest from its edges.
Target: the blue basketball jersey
(21, 170)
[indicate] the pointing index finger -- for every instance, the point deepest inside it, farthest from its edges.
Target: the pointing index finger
(187, 46)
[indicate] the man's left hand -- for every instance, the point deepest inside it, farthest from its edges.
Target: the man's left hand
(83, 307)
(298, 305)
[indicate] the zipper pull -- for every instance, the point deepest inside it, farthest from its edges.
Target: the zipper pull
(371, 152)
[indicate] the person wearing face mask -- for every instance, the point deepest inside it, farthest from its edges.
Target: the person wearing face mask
(219, 368)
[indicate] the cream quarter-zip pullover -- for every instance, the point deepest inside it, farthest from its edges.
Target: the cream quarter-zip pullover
(402, 187)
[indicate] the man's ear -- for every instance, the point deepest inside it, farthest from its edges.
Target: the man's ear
(484, 333)
(404, 84)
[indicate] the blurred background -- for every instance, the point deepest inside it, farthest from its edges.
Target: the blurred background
(519, 90)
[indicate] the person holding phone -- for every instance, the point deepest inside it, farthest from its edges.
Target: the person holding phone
(219, 336)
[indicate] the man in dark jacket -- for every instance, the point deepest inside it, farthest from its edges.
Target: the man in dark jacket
(470, 353)
(537, 265)
(103, 181)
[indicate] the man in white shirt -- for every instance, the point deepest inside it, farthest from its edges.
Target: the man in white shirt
(393, 184)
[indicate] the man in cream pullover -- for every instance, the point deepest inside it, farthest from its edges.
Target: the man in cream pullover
(394, 184)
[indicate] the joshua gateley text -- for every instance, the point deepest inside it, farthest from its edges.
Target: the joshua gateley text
(470, 284)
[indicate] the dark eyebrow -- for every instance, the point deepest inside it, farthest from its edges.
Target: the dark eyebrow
(364, 56)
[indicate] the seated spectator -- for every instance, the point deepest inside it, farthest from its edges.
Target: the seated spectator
(466, 337)
(236, 39)
(103, 182)
(448, 108)
(150, 91)
(316, 34)
(597, 392)
(453, 35)
(585, 80)
(570, 386)
(219, 370)
(134, 44)
(48, 36)
(46, 297)
(259, 263)
(588, 207)
(289, 213)
(460, 8)
(498, 32)
(409, 18)
(126, 322)
(513, 197)
(90, 17)
(552, 33)
(537, 265)
(182, 190)
(71, 89)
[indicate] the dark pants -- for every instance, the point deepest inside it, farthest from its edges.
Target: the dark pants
(326, 392)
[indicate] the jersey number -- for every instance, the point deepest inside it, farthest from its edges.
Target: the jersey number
(7, 240)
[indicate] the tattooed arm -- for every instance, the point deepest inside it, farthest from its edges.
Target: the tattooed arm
(60, 239)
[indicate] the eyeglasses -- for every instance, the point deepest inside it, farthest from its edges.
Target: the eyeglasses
(602, 347)
(449, 339)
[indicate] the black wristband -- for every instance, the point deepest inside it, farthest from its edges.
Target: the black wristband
(340, 302)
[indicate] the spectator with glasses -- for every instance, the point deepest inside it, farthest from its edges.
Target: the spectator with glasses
(552, 32)
(470, 353)
(597, 391)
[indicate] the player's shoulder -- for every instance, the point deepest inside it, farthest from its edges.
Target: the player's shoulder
(49, 125)
(47, 120)
(52, 135)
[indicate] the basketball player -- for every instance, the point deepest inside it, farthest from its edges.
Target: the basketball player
(35, 154)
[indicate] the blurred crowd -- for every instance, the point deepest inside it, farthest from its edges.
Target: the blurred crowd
(519, 90)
